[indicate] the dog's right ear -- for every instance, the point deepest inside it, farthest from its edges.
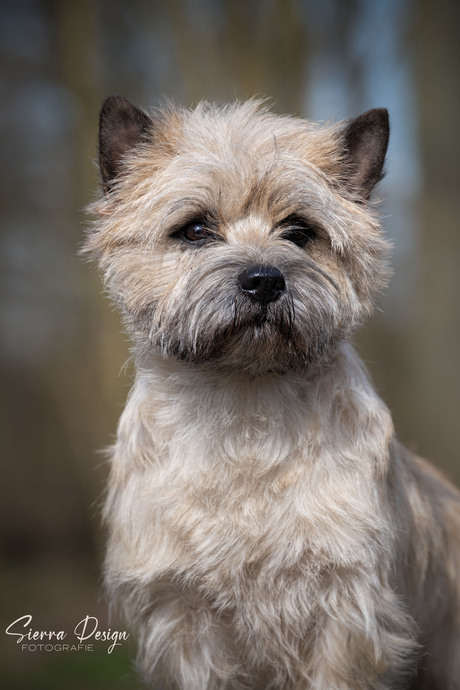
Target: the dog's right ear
(121, 127)
(365, 142)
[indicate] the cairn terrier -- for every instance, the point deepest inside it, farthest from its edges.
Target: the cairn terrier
(266, 529)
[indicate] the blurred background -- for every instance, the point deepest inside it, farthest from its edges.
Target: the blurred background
(61, 349)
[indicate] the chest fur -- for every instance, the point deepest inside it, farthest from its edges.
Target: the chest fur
(235, 476)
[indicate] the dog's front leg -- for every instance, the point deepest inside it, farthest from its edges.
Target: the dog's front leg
(365, 639)
(183, 643)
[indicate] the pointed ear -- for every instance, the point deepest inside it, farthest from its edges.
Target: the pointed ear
(121, 127)
(365, 141)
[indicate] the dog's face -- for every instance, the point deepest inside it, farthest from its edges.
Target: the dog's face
(232, 237)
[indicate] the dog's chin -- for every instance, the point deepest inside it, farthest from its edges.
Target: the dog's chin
(257, 347)
(241, 335)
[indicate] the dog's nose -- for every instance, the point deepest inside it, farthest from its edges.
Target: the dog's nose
(262, 283)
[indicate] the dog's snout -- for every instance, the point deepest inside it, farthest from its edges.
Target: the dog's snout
(262, 283)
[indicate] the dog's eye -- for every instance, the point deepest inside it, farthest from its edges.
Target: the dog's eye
(197, 232)
(297, 231)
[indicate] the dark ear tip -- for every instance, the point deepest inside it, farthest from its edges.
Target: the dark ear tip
(377, 118)
(366, 141)
(380, 117)
(115, 104)
(121, 127)
(111, 100)
(378, 114)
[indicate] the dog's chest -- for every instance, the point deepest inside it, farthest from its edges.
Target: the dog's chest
(245, 539)
(259, 505)
(240, 483)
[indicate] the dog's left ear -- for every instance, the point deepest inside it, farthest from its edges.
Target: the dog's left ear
(121, 127)
(365, 142)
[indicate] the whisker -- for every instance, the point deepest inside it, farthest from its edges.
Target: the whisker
(311, 264)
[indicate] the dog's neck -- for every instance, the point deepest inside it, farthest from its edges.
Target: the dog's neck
(270, 415)
(280, 441)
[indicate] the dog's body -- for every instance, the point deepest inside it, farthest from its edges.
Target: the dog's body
(266, 528)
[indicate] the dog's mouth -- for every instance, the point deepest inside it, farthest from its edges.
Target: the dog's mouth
(278, 331)
(243, 332)
(251, 317)
(259, 337)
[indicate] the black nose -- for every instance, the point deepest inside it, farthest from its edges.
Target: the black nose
(262, 283)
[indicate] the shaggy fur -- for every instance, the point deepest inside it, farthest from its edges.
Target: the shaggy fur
(266, 529)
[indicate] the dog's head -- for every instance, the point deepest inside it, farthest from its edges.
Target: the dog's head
(233, 237)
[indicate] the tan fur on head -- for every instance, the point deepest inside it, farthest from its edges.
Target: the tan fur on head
(266, 530)
(243, 171)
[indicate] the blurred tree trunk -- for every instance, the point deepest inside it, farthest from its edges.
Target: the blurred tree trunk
(257, 49)
(436, 395)
(80, 51)
(79, 65)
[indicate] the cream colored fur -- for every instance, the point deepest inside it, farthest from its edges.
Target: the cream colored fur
(266, 529)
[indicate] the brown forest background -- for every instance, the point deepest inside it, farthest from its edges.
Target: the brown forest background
(61, 350)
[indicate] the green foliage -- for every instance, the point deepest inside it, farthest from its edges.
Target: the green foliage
(95, 670)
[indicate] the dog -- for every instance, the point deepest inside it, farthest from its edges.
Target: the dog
(266, 530)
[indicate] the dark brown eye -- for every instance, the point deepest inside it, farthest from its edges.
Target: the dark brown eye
(198, 233)
(297, 231)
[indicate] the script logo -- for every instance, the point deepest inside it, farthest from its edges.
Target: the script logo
(51, 640)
